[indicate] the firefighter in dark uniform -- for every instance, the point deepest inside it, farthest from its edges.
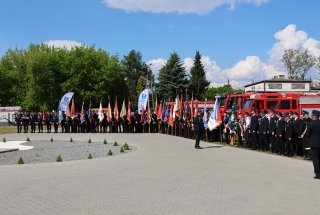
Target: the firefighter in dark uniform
(280, 134)
(298, 130)
(289, 130)
(25, 121)
(254, 127)
(55, 123)
(305, 138)
(154, 123)
(314, 132)
(33, 121)
(263, 128)
(272, 130)
(40, 123)
(198, 128)
(19, 122)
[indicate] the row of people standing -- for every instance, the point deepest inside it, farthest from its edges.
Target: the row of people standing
(285, 134)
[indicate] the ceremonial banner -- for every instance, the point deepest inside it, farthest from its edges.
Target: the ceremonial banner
(73, 109)
(123, 112)
(116, 111)
(109, 114)
(82, 118)
(215, 117)
(129, 113)
(205, 116)
(65, 100)
(176, 108)
(143, 100)
(100, 112)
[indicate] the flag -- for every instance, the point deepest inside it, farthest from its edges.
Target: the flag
(129, 113)
(176, 107)
(109, 115)
(205, 116)
(116, 111)
(167, 113)
(181, 107)
(82, 114)
(159, 112)
(100, 112)
(73, 109)
(156, 107)
(123, 112)
(191, 108)
(68, 113)
(89, 111)
(215, 117)
(149, 113)
(142, 114)
(44, 112)
(187, 109)
(171, 116)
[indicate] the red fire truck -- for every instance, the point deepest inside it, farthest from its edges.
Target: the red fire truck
(282, 102)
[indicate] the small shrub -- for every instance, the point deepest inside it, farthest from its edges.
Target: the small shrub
(89, 141)
(71, 140)
(4, 140)
(115, 143)
(105, 141)
(51, 139)
(28, 139)
(126, 146)
(59, 158)
(121, 150)
(20, 161)
(110, 152)
(89, 156)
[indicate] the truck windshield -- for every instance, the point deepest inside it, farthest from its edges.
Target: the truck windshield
(247, 104)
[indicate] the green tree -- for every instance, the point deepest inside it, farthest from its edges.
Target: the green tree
(306, 61)
(198, 80)
(211, 93)
(134, 67)
(172, 78)
(141, 85)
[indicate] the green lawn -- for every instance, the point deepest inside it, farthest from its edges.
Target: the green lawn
(8, 129)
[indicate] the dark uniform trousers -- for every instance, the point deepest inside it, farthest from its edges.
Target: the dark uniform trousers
(314, 132)
(315, 156)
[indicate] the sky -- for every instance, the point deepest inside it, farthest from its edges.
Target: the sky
(240, 40)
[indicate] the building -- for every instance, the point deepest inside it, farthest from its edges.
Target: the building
(280, 84)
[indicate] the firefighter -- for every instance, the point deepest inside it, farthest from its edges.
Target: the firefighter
(305, 137)
(254, 127)
(289, 132)
(263, 128)
(314, 132)
(272, 130)
(297, 132)
(280, 134)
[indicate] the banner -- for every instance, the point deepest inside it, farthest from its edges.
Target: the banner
(215, 117)
(143, 100)
(205, 116)
(65, 100)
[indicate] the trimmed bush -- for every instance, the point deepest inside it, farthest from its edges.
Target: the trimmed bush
(121, 150)
(51, 139)
(89, 141)
(4, 140)
(89, 156)
(126, 146)
(71, 140)
(20, 161)
(115, 143)
(105, 141)
(28, 139)
(110, 153)
(59, 158)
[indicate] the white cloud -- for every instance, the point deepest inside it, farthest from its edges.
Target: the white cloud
(68, 44)
(179, 6)
(252, 68)
(156, 65)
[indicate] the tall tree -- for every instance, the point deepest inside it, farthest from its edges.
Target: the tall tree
(134, 67)
(198, 80)
(306, 61)
(141, 84)
(290, 61)
(172, 78)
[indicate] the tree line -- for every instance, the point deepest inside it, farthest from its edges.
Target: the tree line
(41, 74)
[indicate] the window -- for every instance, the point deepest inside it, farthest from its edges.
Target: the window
(296, 86)
(258, 105)
(275, 86)
(285, 104)
(294, 104)
(247, 104)
(272, 104)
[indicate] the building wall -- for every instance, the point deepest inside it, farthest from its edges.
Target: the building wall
(280, 87)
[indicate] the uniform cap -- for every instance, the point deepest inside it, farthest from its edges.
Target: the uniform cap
(279, 114)
(316, 113)
(287, 114)
(305, 112)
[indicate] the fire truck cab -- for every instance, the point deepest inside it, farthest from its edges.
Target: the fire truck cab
(286, 102)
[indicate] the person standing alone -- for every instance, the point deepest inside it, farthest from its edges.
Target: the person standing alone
(198, 128)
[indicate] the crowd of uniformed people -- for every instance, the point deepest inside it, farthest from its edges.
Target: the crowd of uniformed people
(286, 134)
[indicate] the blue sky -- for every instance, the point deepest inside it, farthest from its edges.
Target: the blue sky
(231, 37)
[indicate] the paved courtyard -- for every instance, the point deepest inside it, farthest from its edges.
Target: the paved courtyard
(165, 175)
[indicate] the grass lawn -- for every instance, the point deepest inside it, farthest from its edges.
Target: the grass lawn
(8, 129)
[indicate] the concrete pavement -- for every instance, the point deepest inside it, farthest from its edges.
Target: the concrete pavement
(165, 175)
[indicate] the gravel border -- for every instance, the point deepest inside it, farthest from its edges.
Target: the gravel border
(45, 151)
